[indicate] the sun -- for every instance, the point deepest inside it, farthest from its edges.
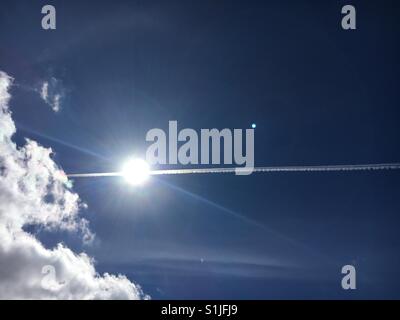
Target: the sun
(135, 171)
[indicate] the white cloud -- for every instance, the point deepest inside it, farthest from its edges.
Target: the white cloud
(44, 92)
(34, 190)
(52, 92)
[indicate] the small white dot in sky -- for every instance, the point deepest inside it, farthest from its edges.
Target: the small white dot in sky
(253, 126)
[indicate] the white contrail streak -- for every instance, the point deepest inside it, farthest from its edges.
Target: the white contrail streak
(351, 167)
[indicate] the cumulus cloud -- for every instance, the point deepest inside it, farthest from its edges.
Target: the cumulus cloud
(52, 92)
(34, 190)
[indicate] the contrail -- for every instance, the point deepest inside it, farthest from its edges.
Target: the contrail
(350, 167)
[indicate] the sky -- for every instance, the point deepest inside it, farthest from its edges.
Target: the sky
(112, 70)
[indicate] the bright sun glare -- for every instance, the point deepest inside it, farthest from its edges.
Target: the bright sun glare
(136, 171)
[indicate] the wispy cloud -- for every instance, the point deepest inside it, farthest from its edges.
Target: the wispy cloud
(52, 92)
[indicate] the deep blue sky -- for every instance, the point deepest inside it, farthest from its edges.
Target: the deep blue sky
(319, 95)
